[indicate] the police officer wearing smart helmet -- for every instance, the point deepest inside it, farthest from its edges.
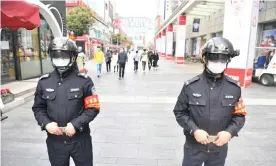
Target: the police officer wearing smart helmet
(210, 108)
(64, 105)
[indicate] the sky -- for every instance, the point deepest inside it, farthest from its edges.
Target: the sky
(137, 8)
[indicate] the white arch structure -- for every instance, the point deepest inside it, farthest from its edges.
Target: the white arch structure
(60, 18)
(49, 17)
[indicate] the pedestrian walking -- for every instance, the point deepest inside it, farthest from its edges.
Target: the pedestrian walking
(210, 107)
(64, 105)
(136, 58)
(99, 58)
(150, 58)
(108, 57)
(114, 60)
(155, 59)
(144, 59)
(122, 59)
(80, 60)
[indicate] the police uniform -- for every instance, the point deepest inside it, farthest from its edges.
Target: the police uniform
(64, 100)
(210, 104)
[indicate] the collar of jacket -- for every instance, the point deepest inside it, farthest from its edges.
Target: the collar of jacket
(212, 78)
(65, 74)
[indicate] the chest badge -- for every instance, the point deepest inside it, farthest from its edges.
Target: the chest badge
(50, 90)
(196, 95)
(229, 97)
(75, 89)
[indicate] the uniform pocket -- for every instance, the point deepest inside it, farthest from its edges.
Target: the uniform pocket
(198, 102)
(228, 107)
(197, 107)
(49, 96)
(229, 102)
(75, 95)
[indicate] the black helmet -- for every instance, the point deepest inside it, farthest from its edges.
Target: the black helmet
(63, 50)
(219, 48)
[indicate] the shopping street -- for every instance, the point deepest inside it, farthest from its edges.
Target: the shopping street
(136, 125)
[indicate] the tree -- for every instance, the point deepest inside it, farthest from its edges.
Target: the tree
(79, 20)
(118, 39)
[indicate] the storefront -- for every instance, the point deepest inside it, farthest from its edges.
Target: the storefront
(24, 53)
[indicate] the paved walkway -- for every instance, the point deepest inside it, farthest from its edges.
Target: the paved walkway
(137, 127)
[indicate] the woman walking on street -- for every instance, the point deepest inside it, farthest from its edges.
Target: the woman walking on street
(136, 58)
(150, 58)
(108, 57)
(99, 58)
(144, 59)
(155, 59)
(114, 61)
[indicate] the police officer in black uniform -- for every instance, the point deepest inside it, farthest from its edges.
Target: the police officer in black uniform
(60, 108)
(210, 108)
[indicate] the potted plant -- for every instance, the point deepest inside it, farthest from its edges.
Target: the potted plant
(6, 95)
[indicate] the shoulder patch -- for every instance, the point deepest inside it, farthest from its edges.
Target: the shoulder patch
(233, 81)
(192, 80)
(44, 76)
(83, 75)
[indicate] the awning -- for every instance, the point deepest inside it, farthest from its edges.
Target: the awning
(205, 8)
(19, 14)
(193, 9)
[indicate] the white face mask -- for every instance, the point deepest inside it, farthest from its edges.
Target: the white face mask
(216, 67)
(59, 62)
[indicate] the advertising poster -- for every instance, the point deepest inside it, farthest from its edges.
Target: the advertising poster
(269, 37)
(196, 24)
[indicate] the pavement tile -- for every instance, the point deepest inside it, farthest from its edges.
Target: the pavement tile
(120, 152)
(129, 133)
(140, 161)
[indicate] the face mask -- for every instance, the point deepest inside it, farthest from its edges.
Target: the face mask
(216, 67)
(59, 62)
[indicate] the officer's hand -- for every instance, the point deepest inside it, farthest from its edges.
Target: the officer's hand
(70, 130)
(223, 138)
(53, 128)
(201, 136)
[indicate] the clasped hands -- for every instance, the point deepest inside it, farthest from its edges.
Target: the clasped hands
(223, 137)
(53, 128)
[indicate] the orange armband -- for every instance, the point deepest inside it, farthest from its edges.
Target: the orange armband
(92, 102)
(240, 108)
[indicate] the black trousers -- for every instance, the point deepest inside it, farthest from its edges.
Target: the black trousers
(150, 63)
(108, 67)
(195, 157)
(122, 69)
(60, 152)
(136, 65)
(154, 63)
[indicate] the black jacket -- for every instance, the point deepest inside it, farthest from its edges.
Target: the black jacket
(62, 101)
(122, 57)
(207, 103)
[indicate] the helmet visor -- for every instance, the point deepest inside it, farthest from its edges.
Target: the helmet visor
(219, 57)
(60, 58)
(60, 54)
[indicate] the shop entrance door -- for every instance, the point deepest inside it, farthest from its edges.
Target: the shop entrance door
(8, 73)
